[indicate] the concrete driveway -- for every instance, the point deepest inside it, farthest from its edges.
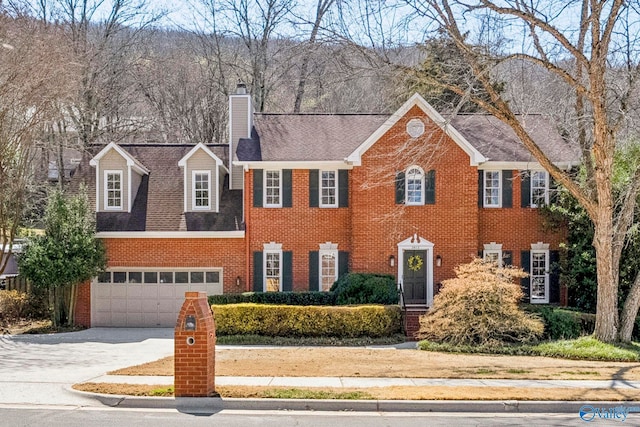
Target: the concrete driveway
(40, 369)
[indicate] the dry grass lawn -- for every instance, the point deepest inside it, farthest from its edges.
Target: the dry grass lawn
(360, 362)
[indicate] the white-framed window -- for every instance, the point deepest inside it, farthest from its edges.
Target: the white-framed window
(539, 188)
(414, 182)
(273, 188)
(328, 268)
(328, 189)
(113, 189)
(539, 273)
(491, 194)
(201, 194)
(493, 253)
(272, 267)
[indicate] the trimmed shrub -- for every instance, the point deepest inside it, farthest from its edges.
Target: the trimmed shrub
(280, 298)
(562, 323)
(309, 321)
(480, 307)
(365, 288)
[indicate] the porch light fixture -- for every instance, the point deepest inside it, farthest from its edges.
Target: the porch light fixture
(392, 261)
(238, 281)
(438, 260)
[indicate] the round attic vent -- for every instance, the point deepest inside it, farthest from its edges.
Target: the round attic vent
(415, 128)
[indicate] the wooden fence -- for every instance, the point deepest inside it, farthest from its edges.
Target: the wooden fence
(18, 283)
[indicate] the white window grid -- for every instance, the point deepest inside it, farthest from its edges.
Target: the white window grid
(201, 190)
(113, 190)
(539, 188)
(328, 269)
(414, 179)
(539, 275)
(272, 188)
(272, 271)
(492, 188)
(328, 189)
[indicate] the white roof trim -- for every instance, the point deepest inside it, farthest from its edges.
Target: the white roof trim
(491, 165)
(316, 164)
(416, 100)
(131, 161)
(200, 146)
(235, 234)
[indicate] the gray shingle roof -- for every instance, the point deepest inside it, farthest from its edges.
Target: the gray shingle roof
(313, 137)
(498, 142)
(322, 137)
(159, 203)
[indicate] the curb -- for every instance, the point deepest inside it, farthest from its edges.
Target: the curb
(216, 404)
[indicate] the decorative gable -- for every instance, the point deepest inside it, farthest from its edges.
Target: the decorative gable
(118, 177)
(415, 128)
(203, 179)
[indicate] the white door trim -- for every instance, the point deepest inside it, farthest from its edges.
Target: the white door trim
(416, 242)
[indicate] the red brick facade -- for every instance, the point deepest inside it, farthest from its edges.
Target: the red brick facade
(369, 228)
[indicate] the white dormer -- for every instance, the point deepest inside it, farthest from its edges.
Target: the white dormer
(203, 179)
(118, 176)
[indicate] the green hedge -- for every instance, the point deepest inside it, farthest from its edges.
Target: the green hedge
(560, 323)
(280, 298)
(365, 288)
(310, 321)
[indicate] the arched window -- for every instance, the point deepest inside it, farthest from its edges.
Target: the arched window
(415, 186)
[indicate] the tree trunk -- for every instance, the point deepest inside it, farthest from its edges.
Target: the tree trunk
(630, 312)
(607, 306)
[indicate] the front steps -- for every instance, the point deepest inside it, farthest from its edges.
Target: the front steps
(412, 320)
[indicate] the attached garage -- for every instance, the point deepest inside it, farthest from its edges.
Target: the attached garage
(147, 297)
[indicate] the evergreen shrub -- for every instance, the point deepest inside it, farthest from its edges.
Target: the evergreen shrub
(308, 321)
(365, 288)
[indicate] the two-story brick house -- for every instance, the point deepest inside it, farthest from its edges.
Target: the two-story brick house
(294, 200)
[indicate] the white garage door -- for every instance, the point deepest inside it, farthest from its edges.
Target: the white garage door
(147, 297)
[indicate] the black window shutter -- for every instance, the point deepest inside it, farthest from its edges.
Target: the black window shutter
(507, 258)
(314, 199)
(258, 281)
(430, 188)
(507, 188)
(286, 188)
(343, 188)
(400, 188)
(554, 277)
(343, 263)
(525, 282)
(480, 188)
(314, 274)
(287, 271)
(525, 190)
(257, 188)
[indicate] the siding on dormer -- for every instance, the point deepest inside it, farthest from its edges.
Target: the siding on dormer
(201, 161)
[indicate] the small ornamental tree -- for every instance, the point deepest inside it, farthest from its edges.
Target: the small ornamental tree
(65, 256)
(480, 307)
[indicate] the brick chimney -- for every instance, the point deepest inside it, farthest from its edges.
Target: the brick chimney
(240, 123)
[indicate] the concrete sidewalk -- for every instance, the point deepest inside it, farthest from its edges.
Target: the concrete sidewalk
(356, 382)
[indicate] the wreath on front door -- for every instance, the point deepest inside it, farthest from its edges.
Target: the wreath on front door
(415, 263)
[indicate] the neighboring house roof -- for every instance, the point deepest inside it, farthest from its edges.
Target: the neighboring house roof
(159, 203)
(340, 137)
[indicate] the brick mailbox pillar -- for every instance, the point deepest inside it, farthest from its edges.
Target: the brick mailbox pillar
(195, 344)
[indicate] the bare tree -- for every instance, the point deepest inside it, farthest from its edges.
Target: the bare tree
(578, 42)
(30, 82)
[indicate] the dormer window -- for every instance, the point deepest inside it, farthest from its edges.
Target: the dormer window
(201, 190)
(113, 190)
